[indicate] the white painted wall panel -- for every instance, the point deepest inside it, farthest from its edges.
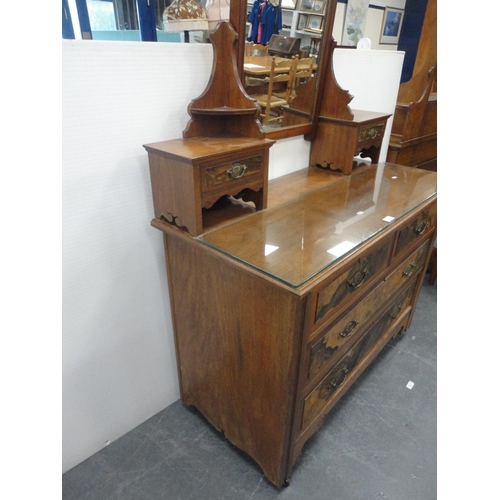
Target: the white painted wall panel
(397, 4)
(118, 354)
(372, 77)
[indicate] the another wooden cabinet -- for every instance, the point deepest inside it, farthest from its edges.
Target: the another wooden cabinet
(413, 139)
(414, 134)
(276, 314)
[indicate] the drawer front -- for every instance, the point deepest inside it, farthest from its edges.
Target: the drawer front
(319, 397)
(419, 226)
(352, 281)
(371, 132)
(231, 172)
(325, 349)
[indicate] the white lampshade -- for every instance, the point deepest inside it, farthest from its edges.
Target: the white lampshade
(218, 10)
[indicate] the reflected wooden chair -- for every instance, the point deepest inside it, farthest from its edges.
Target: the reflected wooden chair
(302, 74)
(255, 49)
(282, 72)
(288, 93)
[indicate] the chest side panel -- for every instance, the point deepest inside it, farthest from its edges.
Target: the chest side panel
(237, 338)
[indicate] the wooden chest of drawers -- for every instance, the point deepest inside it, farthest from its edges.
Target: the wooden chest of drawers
(277, 314)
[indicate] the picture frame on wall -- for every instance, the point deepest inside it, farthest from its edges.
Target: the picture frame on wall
(319, 6)
(288, 4)
(391, 26)
(355, 22)
(302, 22)
(314, 22)
(306, 5)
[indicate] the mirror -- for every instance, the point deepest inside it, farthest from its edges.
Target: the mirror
(303, 20)
(296, 32)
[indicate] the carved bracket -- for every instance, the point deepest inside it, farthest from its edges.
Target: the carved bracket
(224, 108)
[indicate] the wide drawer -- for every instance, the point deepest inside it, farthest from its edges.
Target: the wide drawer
(324, 350)
(213, 177)
(355, 279)
(422, 224)
(319, 397)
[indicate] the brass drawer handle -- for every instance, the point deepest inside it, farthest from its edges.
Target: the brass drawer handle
(350, 327)
(236, 171)
(396, 311)
(358, 278)
(422, 226)
(409, 270)
(372, 133)
(339, 378)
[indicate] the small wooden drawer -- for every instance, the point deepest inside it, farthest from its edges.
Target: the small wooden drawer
(232, 171)
(189, 176)
(374, 132)
(419, 226)
(315, 403)
(354, 322)
(352, 281)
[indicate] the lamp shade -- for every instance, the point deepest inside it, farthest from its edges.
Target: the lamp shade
(185, 15)
(218, 10)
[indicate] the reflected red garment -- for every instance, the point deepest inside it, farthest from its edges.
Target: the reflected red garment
(259, 32)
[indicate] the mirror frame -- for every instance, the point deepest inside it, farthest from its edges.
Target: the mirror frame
(237, 17)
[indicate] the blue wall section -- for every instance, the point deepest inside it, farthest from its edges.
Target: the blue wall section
(410, 35)
(147, 21)
(67, 25)
(134, 36)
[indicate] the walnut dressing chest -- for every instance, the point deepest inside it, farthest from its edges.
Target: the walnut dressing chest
(276, 313)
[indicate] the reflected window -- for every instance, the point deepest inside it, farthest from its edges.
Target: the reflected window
(112, 15)
(101, 15)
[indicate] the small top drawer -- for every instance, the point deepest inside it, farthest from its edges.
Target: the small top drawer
(354, 279)
(214, 176)
(420, 225)
(371, 132)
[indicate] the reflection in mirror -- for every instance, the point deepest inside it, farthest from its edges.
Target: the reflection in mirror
(286, 32)
(195, 19)
(282, 37)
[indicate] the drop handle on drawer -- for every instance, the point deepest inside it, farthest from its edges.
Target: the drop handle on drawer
(236, 171)
(358, 278)
(350, 327)
(421, 226)
(395, 312)
(409, 270)
(339, 378)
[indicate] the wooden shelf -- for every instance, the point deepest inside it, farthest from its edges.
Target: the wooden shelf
(224, 110)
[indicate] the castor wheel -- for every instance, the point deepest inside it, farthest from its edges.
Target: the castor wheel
(286, 483)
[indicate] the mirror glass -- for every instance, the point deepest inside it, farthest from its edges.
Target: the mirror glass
(281, 58)
(290, 32)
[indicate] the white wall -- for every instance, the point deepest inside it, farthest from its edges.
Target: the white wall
(372, 77)
(118, 354)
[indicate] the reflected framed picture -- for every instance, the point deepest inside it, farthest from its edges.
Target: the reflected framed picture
(306, 5)
(391, 26)
(314, 22)
(288, 4)
(319, 6)
(302, 22)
